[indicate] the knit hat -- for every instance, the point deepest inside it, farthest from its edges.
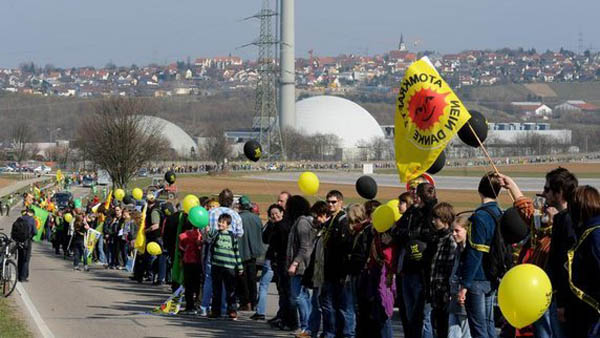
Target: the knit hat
(245, 202)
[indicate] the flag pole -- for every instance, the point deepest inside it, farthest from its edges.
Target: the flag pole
(488, 157)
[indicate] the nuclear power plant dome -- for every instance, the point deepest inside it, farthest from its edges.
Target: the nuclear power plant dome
(180, 141)
(338, 116)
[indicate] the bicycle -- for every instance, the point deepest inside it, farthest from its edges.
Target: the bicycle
(8, 269)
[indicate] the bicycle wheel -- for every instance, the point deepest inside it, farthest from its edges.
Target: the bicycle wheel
(8, 282)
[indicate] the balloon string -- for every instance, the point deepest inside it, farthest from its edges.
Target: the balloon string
(489, 158)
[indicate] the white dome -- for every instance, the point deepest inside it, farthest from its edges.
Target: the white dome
(180, 141)
(338, 116)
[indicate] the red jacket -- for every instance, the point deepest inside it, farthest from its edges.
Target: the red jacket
(190, 242)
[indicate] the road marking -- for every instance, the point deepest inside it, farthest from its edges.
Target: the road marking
(44, 329)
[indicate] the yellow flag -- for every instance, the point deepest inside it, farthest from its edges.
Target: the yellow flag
(140, 239)
(108, 200)
(428, 115)
(59, 176)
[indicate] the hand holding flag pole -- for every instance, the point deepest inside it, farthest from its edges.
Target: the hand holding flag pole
(488, 157)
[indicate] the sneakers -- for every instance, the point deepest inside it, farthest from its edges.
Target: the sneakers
(257, 316)
(77, 268)
(203, 312)
(303, 334)
(86, 268)
(233, 315)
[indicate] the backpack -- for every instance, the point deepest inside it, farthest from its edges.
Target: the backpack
(500, 259)
(20, 231)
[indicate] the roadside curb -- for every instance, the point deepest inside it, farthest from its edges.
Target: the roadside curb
(35, 315)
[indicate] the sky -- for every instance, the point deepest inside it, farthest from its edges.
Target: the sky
(73, 33)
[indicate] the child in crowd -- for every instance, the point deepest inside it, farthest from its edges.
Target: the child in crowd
(458, 325)
(190, 243)
(441, 267)
(405, 201)
(226, 262)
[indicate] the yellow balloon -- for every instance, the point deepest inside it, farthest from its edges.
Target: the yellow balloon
(68, 217)
(189, 202)
(119, 194)
(137, 193)
(524, 294)
(383, 218)
(394, 205)
(308, 183)
(153, 249)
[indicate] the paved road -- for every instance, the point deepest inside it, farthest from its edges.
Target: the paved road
(105, 303)
(442, 182)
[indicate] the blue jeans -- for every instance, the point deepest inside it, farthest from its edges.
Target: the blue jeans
(314, 320)
(386, 329)
(207, 289)
(300, 299)
(414, 304)
(458, 326)
(100, 247)
(480, 309)
(263, 287)
(337, 302)
(427, 328)
(548, 325)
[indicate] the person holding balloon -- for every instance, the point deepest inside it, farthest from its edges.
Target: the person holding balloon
(190, 243)
(377, 284)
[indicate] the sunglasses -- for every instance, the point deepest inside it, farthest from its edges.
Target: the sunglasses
(332, 201)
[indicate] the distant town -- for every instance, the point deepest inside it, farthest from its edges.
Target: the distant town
(343, 74)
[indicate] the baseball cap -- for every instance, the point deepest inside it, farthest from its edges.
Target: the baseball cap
(245, 202)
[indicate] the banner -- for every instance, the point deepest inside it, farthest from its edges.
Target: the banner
(428, 115)
(40, 216)
(91, 240)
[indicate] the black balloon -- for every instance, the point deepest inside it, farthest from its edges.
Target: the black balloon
(170, 177)
(512, 226)
(438, 165)
(253, 150)
(366, 187)
(479, 124)
(128, 199)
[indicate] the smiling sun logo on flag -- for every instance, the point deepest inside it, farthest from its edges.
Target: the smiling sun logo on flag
(426, 107)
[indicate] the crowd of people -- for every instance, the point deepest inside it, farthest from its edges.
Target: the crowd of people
(338, 276)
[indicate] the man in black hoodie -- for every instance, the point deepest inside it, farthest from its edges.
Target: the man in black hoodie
(414, 235)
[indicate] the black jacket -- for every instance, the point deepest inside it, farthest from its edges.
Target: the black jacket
(562, 239)
(337, 247)
(276, 235)
(415, 225)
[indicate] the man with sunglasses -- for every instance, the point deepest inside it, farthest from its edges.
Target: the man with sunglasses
(337, 300)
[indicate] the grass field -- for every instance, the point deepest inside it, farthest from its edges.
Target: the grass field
(582, 170)
(11, 325)
(265, 192)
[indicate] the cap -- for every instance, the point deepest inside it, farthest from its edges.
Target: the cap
(245, 202)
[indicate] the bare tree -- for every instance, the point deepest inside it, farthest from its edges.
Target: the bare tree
(119, 140)
(217, 147)
(21, 135)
